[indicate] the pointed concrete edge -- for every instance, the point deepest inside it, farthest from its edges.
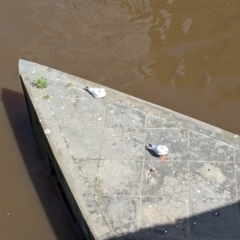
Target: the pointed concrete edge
(84, 198)
(25, 66)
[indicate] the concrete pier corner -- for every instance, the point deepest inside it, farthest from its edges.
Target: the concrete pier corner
(96, 147)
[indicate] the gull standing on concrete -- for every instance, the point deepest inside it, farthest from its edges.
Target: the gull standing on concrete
(96, 92)
(160, 150)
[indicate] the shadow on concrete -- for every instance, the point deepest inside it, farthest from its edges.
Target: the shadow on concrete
(48, 192)
(151, 152)
(215, 224)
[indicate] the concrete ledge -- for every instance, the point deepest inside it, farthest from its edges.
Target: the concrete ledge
(97, 148)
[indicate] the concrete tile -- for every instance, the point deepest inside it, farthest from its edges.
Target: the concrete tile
(204, 129)
(214, 219)
(195, 125)
(237, 155)
(26, 66)
(157, 122)
(237, 167)
(204, 148)
(58, 107)
(54, 75)
(140, 104)
(119, 177)
(160, 214)
(183, 121)
(119, 115)
(56, 89)
(174, 139)
(42, 107)
(51, 74)
(124, 144)
(54, 137)
(84, 143)
(84, 113)
(120, 212)
(89, 171)
(170, 179)
(45, 69)
(215, 180)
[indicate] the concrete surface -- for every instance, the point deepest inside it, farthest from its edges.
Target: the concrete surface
(100, 147)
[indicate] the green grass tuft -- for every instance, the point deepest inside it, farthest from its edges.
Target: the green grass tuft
(46, 96)
(41, 82)
(69, 84)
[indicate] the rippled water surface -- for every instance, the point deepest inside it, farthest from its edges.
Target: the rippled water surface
(180, 54)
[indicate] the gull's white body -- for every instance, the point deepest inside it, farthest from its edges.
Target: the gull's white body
(97, 92)
(159, 149)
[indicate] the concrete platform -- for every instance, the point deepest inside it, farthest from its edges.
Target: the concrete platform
(99, 148)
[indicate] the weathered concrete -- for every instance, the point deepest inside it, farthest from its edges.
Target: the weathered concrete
(97, 148)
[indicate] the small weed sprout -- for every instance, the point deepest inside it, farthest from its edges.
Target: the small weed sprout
(41, 82)
(114, 235)
(46, 96)
(69, 85)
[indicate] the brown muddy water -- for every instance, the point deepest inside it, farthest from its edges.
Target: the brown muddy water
(180, 54)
